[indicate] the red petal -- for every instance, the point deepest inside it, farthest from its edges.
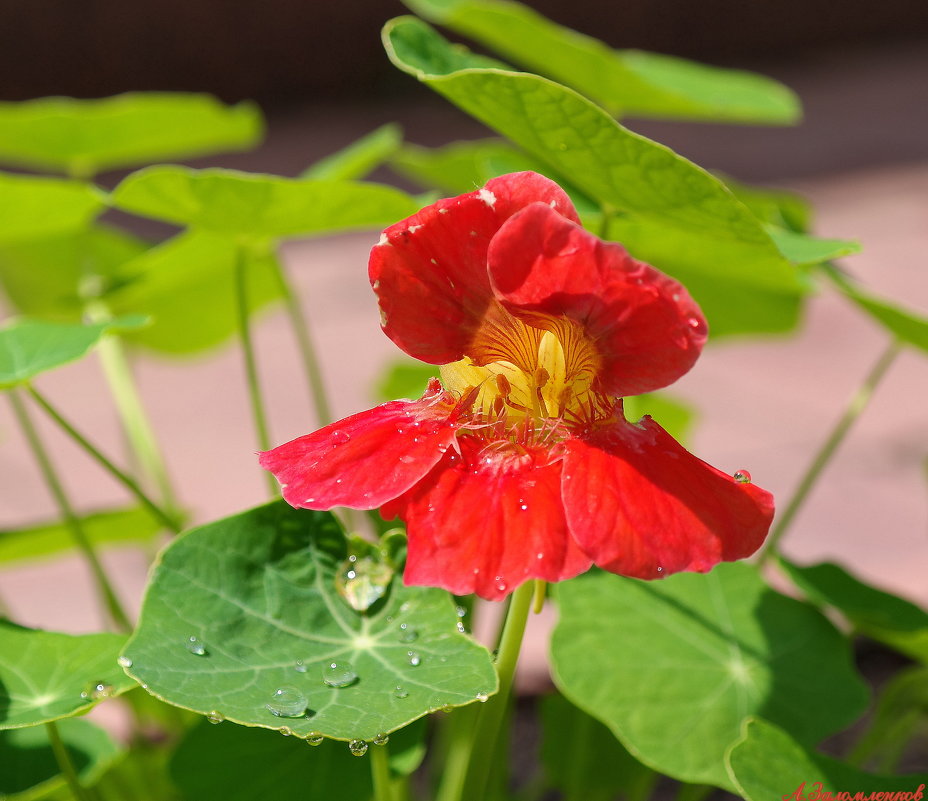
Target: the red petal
(368, 458)
(644, 325)
(430, 270)
(487, 521)
(642, 506)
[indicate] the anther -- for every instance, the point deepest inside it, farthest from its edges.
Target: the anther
(503, 385)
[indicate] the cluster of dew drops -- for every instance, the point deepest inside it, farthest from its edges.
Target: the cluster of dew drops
(290, 702)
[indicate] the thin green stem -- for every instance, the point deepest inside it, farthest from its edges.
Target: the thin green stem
(821, 459)
(105, 589)
(251, 365)
(380, 772)
(308, 353)
(63, 758)
(538, 596)
(126, 480)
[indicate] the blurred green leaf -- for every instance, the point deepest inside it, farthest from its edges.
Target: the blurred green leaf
(116, 526)
(404, 378)
(804, 249)
(83, 137)
(258, 591)
(359, 158)
(249, 206)
(673, 667)
(29, 770)
(627, 82)
(880, 615)
(29, 347)
(674, 416)
(46, 676)
(54, 276)
(773, 206)
(766, 763)
(32, 207)
(187, 286)
(583, 759)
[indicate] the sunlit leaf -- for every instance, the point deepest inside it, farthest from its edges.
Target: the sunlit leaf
(112, 527)
(46, 676)
(674, 416)
(628, 82)
(673, 667)
(258, 592)
(767, 763)
(82, 137)
(804, 249)
(245, 205)
(778, 207)
(32, 207)
(29, 770)
(359, 158)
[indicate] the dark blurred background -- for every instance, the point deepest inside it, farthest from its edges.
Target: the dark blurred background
(860, 66)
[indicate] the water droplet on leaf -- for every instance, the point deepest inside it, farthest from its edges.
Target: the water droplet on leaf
(97, 691)
(408, 634)
(314, 739)
(299, 666)
(400, 692)
(358, 747)
(381, 739)
(215, 717)
(338, 674)
(286, 731)
(287, 702)
(195, 646)
(124, 661)
(414, 659)
(363, 581)
(482, 697)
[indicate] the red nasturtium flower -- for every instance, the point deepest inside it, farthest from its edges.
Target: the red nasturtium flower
(519, 463)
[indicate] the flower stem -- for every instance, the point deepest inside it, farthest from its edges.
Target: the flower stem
(380, 772)
(538, 596)
(81, 540)
(63, 758)
(251, 365)
(821, 459)
(311, 365)
(169, 521)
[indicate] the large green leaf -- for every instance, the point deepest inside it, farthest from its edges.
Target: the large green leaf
(32, 207)
(259, 593)
(247, 206)
(187, 287)
(46, 676)
(673, 667)
(117, 526)
(53, 277)
(29, 347)
(628, 82)
(878, 614)
(768, 764)
(29, 770)
(360, 157)
(83, 137)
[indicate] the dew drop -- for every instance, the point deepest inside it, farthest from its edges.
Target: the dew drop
(97, 691)
(460, 627)
(287, 702)
(358, 747)
(195, 646)
(447, 709)
(299, 666)
(405, 607)
(314, 739)
(340, 437)
(124, 661)
(460, 611)
(523, 506)
(414, 659)
(482, 697)
(286, 731)
(381, 739)
(743, 477)
(660, 569)
(363, 581)
(215, 717)
(338, 674)
(408, 634)
(406, 458)
(400, 692)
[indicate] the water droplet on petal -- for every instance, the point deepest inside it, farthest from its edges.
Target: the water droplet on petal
(414, 659)
(660, 569)
(523, 507)
(482, 697)
(743, 477)
(381, 739)
(406, 458)
(299, 666)
(340, 437)
(287, 702)
(124, 661)
(407, 633)
(358, 747)
(314, 739)
(215, 717)
(195, 646)
(338, 674)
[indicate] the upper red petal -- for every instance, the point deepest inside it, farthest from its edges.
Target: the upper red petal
(487, 520)
(644, 325)
(429, 271)
(640, 505)
(367, 459)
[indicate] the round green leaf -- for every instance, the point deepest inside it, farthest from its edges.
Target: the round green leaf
(83, 137)
(258, 591)
(33, 207)
(46, 676)
(245, 205)
(673, 667)
(29, 770)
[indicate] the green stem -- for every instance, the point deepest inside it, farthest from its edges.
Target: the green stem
(607, 215)
(311, 364)
(491, 716)
(63, 758)
(127, 481)
(81, 540)
(821, 459)
(251, 365)
(380, 772)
